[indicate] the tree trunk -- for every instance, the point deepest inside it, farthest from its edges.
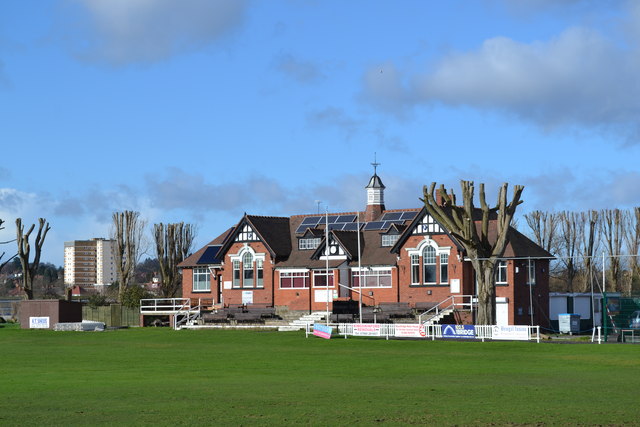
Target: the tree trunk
(486, 292)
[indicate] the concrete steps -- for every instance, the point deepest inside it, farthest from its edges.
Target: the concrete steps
(303, 321)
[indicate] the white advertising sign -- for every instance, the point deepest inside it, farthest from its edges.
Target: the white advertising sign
(247, 297)
(366, 329)
(410, 330)
(512, 332)
(227, 284)
(39, 322)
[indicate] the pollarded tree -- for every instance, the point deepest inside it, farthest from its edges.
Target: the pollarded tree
(128, 233)
(470, 226)
(173, 245)
(29, 269)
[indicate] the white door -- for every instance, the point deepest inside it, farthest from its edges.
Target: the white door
(502, 313)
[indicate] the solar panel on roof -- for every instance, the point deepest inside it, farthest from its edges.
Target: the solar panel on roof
(351, 226)
(311, 220)
(331, 220)
(346, 218)
(209, 256)
(336, 226)
(390, 216)
(408, 215)
(374, 225)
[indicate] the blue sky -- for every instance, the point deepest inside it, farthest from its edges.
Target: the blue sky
(201, 110)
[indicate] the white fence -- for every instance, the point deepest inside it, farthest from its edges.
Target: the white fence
(406, 330)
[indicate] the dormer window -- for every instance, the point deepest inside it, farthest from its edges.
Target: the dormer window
(389, 239)
(308, 243)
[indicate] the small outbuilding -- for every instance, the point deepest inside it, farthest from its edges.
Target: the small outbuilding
(44, 314)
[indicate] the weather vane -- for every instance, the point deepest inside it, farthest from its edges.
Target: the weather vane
(375, 163)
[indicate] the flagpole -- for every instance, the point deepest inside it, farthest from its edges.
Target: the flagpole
(359, 269)
(326, 238)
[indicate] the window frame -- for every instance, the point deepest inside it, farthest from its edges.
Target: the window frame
(501, 273)
(429, 266)
(198, 272)
(292, 275)
(374, 275)
(329, 278)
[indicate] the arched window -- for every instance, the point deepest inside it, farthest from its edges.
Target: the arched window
(429, 262)
(247, 269)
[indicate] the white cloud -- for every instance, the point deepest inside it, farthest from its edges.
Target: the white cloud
(146, 31)
(579, 79)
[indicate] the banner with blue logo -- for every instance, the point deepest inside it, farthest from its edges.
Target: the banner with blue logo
(458, 331)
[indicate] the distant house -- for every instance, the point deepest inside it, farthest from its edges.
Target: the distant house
(378, 255)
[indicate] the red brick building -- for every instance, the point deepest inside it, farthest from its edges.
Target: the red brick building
(397, 256)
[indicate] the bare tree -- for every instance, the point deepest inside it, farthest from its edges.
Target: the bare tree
(24, 248)
(8, 260)
(128, 233)
(483, 252)
(572, 230)
(632, 240)
(611, 227)
(544, 226)
(590, 242)
(173, 245)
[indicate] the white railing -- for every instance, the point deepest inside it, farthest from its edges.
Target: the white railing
(422, 331)
(162, 305)
(174, 305)
(461, 302)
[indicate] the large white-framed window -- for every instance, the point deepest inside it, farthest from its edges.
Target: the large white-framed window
(201, 279)
(247, 270)
(429, 264)
(294, 279)
(371, 278)
(322, 278)
(444, 268)
(531, 272)
(415, 269)
(247, 266)
(501, 273)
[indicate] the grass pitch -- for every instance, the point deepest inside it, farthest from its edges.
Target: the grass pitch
(218, 377)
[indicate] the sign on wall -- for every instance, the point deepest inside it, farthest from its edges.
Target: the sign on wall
(39, 322)
(227, 284)
(513, 332)
(247, 297)
(455, 286)
(458, 331)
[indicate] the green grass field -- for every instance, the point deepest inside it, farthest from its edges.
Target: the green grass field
(215, 377)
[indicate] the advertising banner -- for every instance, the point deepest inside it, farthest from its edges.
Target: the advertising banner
(39, 322)
(458, 331)
(513, 332)
(410, 330)
(322, 331)
(366, 329)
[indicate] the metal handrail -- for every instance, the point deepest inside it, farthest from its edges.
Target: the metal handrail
(452, 304)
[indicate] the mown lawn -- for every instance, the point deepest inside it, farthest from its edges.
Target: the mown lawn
(166, 377)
